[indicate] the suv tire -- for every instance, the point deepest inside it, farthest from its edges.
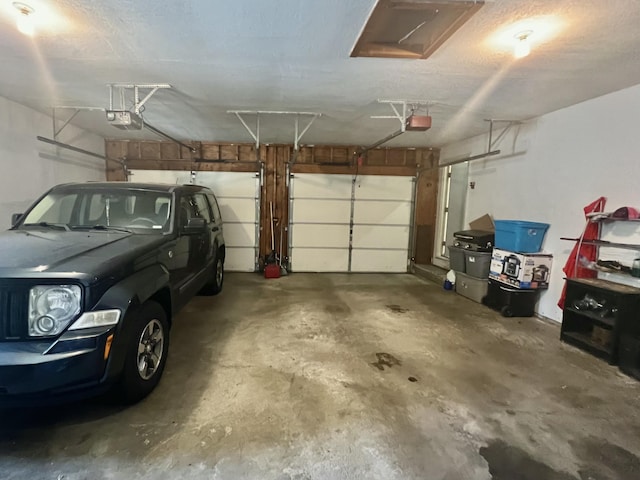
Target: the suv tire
(214, 285)
(147, 354)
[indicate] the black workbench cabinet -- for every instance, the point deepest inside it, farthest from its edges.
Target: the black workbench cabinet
(597, 313)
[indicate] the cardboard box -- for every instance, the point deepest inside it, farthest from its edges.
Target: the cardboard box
(484, 222)
(521, 270)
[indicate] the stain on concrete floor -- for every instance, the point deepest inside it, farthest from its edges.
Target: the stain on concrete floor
(602, 461)
(605, 461)
(385, 360)
(507, 462)
(397, 308)
(273, 380)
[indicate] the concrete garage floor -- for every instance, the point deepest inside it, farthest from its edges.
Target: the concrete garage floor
(307, 377)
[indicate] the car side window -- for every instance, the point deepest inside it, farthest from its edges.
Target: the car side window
(202, 207)
(214, 207)
(187, 210)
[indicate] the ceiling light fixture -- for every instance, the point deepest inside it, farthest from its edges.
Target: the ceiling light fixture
(523, 45)
(537, 31)
(24, 23)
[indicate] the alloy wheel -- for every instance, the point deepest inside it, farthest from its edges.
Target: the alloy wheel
(150, 349)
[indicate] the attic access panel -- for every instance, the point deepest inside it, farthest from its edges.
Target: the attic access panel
(412, 28)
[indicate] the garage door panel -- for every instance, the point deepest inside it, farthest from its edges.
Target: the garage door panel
(384, 213)
(229, 184)
(381, 223)
(237, 210)
(333, 236)
(390, 261)
(172, 177)
(307, 185)
(240, 259)
(236, 193)
(319, 260)
(378, 187)
(240, 234)
(375, 236)
(321, 211)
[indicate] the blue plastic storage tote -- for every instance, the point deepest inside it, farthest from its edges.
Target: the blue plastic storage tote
(519, 236)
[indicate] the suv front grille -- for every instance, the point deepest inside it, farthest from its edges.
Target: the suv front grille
(13, 313)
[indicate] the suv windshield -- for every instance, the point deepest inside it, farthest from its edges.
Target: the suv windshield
(142, 211)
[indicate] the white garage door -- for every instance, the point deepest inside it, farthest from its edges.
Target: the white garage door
(238, 197)
(321, 210)
(320, 213)
(381, 223)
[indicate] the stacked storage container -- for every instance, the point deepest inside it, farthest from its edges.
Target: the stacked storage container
(470, 258)
(519, 270)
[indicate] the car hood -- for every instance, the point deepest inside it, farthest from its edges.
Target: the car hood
(45, 251)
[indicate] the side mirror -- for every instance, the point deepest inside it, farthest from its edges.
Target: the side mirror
(15, 218)
(194, 226)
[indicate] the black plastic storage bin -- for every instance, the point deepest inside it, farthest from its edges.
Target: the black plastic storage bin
(629, 355)
(511, 302)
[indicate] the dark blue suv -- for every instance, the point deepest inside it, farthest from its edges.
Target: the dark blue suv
(90, 279)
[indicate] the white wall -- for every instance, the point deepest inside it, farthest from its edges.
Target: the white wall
(29, 167)
(553, 166)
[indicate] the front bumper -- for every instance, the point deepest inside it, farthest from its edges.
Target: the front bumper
(74, 366)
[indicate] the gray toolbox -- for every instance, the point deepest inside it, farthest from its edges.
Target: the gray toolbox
(477, 264)
(457, 261)
(472, 288)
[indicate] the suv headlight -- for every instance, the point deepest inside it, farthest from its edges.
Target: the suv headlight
(52, 308)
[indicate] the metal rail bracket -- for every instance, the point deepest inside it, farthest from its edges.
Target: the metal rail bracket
(491, 145)
(121, 90)
(298, 133)
(402, 109)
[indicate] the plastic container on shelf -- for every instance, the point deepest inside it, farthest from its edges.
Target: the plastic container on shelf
(477, 264)
(520, 236)
(457, 259)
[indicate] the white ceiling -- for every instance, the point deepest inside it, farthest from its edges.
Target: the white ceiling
(294, 55)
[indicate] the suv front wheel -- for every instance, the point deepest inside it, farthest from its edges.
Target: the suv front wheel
(147, 355)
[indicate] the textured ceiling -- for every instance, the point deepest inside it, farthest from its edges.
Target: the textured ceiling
(294, 55)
